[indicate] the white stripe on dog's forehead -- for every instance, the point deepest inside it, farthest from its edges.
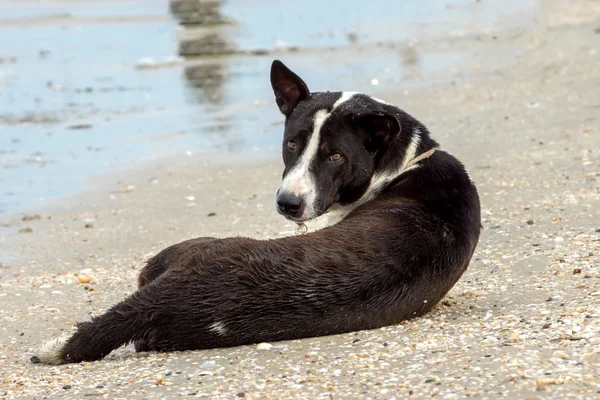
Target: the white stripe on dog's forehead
(313, 143)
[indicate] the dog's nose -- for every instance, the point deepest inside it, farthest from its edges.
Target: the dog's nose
(289, 204)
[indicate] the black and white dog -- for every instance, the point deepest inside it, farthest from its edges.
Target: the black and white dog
(392, 225)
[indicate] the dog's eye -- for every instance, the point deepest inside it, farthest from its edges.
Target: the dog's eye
(291, 145)
(335, 157)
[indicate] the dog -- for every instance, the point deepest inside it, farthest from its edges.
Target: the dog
(389, 224)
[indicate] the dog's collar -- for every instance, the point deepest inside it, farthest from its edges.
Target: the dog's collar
(302, 228)
(420, 157)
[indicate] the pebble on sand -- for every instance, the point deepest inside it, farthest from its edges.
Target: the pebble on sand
(84, 278)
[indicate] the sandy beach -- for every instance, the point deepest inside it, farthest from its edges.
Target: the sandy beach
(523, 322)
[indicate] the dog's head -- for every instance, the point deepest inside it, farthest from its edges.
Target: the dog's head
(333, 144)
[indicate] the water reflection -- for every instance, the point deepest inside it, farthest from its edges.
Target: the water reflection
(206, 79)
(204, 42)
(410, 60)
(203, 39)
(201, 12)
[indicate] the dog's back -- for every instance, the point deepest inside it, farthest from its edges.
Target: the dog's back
(391, 259)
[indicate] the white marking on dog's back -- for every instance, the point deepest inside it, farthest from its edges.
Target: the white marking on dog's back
(218, 328)
(50, 352)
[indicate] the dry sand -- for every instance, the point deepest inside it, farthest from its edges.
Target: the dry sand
(523, 322)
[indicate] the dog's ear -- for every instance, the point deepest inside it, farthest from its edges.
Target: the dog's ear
(381, 127)
(289, 89)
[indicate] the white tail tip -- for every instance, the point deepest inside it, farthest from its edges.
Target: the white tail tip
(50, 352)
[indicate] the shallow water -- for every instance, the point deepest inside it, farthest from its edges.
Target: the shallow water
(92, 87)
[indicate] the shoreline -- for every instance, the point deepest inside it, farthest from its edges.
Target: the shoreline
(138, 107)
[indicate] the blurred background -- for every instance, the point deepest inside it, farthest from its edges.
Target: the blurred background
(89, 87)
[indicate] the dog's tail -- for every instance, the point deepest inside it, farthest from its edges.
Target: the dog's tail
(95, 339)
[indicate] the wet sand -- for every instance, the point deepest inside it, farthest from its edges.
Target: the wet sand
(523, 322)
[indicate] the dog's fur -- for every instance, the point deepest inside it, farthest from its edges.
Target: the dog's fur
(395, 238)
